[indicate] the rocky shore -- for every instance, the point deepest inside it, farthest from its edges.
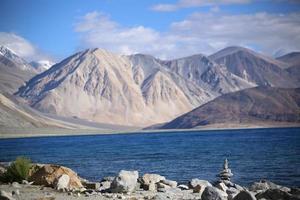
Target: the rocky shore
(53, 182)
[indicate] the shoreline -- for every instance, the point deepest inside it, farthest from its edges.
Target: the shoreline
(11, 133)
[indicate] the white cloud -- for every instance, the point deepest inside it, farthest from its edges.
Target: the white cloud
(199, 33)
(194, 3)
(269, 32)
(21, 46)
(98, 30)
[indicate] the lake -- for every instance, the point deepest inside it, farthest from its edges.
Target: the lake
(253, 154)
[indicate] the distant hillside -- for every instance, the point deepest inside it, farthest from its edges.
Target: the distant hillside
(14, 71)
(14, 114)
(293, 59)
(255, 105)
(255, 68)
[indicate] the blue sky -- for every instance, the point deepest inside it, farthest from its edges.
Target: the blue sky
(173, 28)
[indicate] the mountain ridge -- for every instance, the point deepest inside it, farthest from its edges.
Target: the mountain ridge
(254, 105)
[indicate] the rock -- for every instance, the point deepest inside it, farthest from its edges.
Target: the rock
(198, 189)
(48, 175)
(125, 182)
(5, 196)
(17, 192)
(148, 181)
(221, 186)
(2, 169)
(16, 185)
(93, 185)
(183, 187)
(195, 183)
(172, 184)
(244, 195)
(108, 178)
(225, 174)
(63, 182)
(295, 192)
(275, 194)
(162, 185)
(105, 185)
(212, 193)
(265, 185)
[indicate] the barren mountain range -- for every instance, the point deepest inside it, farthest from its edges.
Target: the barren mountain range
(140, 90)
(250, 106)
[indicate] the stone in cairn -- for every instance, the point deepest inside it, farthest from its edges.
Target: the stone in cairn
(225, 174)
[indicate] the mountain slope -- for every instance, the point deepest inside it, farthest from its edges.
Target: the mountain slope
(15, 71)
(254, 105)
(20, 62)
(103, 87)
(16, 115)
(207, 74)
(41, 65)
(254, 67)
(292, 59)
(11, 76)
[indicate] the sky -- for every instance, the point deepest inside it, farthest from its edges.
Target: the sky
(55, 29)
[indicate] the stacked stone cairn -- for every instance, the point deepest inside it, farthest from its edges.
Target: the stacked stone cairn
(225, 174)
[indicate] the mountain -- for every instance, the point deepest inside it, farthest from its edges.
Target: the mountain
(104, 87)
(254, 67)
(207, 74)
(292, 59)
(15, 71)
(12, 56)
(16, 115)
(41, 65)
(260, 105)
(136, 90)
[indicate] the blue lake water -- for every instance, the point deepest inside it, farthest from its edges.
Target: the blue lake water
(255, 154)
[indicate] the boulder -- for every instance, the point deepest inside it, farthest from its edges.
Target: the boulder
(125, 182)
(212, 193)
(172, 184)
(275, 194)
(198, 185)
(105, 185)
(48, 175)
(232, 192)
(221, 186)
(244, 195)
(149, 181)
(295, 192)
(63, 182)
(265, 185)
(183, 187)
(162, 185)
(5, 196)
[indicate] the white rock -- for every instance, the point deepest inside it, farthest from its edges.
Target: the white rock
(125, 182)
(63, 182)
(5, 196)
(222, 186)
(172, 184)
(196, 183)
(183, 187)
(149, 181)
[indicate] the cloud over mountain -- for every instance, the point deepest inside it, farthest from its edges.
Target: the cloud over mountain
(199, 32)
(21, 46)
